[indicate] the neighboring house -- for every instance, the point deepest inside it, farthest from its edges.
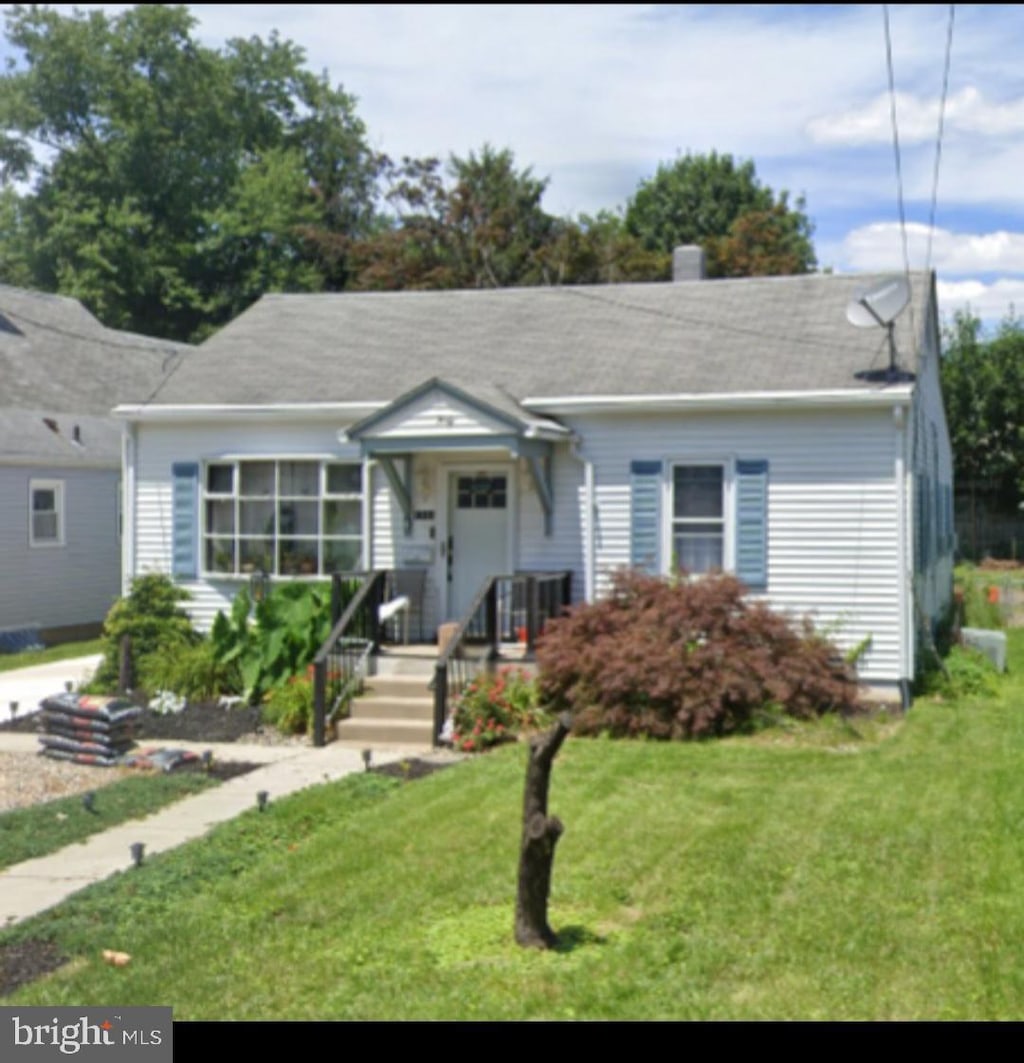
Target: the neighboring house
(61, 372)
(706, 424)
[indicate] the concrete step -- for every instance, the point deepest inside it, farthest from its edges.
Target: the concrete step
(385, 732)
(398, 686)
(392, 664)
(388, 707)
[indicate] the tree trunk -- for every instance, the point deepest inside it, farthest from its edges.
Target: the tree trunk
(540, 835)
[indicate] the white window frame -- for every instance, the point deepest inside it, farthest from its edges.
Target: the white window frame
(275, 498)
(728, 467)
(46, 542)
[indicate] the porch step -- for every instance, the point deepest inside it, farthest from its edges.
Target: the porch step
(385, 732)
(414, 661)
(394, 709)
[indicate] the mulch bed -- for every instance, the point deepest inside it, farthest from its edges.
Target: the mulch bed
(25, 961)
(197, 723)
(413, 768)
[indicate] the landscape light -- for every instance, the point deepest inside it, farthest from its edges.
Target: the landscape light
(89, 800)
(261, 800)
(137, 849)
(367, 758)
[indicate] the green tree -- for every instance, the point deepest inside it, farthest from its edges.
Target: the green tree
(983, 388)
(710, 200)
(178, 180)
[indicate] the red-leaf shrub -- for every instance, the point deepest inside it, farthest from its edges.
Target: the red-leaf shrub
(685, 659)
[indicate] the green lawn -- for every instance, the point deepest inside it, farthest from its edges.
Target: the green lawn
(819, 873)
(26, 833)
(63, 652)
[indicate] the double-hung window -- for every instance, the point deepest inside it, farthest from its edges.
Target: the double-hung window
(46, 513)
(286, 518)
(698, 517)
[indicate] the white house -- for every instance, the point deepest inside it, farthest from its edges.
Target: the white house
(61, 372)
(740, 424)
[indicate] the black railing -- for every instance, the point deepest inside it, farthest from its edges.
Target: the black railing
(340, 663)
(504, 609)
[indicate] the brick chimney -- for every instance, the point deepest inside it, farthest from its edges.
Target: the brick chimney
(688, 263)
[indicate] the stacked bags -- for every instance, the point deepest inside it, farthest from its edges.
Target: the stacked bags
(87, 729)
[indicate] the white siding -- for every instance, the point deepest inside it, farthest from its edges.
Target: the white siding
(563, 548)
(76, 582)
(833, 532)
(437, 414)
(159, 446)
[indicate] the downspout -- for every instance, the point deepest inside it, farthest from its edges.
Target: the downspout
(129, 451)
(589, 509)
(905, 531)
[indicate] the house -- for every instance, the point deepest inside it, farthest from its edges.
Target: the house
(61, 372)
(736, 424)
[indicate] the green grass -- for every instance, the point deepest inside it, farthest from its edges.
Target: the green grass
(26, 833)
(63, 652)
(854, 872)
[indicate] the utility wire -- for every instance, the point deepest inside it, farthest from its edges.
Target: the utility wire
(899, 165)
(939, 135)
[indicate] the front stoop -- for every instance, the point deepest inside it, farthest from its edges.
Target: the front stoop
(392, 710)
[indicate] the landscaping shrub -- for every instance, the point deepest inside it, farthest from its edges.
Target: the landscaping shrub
(152, 618)
(967, 673)
(495, 709)
(193, 671)
(685, 659)
(278, 640)
(290, 706)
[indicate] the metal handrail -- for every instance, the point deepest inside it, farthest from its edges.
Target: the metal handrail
(453, 671)
(349, 651)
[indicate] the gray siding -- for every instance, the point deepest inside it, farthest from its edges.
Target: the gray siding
(74, 583)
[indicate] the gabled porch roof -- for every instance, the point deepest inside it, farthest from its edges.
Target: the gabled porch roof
(439, 415)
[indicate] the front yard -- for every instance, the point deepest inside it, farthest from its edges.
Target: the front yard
(819, 871)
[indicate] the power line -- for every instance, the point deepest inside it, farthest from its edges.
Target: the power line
(899, 165)
(938, 136)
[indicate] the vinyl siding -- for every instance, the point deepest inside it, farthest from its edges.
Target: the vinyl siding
(160, 446)
(74, 583)
(437, 414)
(833, 532)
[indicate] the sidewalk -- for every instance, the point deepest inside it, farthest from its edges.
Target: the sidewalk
(35, 885)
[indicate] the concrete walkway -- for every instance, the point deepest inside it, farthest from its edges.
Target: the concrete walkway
(35, 885)
(28, 686)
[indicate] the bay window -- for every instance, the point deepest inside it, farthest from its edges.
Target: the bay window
(285, 517)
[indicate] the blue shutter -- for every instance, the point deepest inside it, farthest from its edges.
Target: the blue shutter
(645, 516)
(185, 523)
(752, 523)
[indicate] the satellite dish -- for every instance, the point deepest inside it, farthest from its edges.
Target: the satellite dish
(878, 307)
(880, 304)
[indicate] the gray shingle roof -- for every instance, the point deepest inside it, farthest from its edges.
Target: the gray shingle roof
(54, 355)
(700, 337)
(47, 438)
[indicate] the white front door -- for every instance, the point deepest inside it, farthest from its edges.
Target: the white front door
(478, 534)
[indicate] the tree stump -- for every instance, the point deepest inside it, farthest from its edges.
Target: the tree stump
(540, 835)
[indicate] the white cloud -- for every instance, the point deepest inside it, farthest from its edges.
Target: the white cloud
(917, 118)
(990, 302)
(880, 246)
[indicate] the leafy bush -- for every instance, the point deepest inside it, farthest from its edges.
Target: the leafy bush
(687, 659)
(193, 671)
(290, 707)
(968, 673)
(282, 638)
(495, 709)
(152, 618)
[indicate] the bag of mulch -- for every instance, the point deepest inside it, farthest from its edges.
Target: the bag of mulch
(60, 723)
(163, 759)
(72, 745)
(110, 711)
(82, 758)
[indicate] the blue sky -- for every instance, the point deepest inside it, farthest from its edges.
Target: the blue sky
(594, 97)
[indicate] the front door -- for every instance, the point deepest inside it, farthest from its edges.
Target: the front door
(478, 534)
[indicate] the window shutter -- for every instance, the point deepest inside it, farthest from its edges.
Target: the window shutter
(185, 523)
(752, 523)
(645, 516)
